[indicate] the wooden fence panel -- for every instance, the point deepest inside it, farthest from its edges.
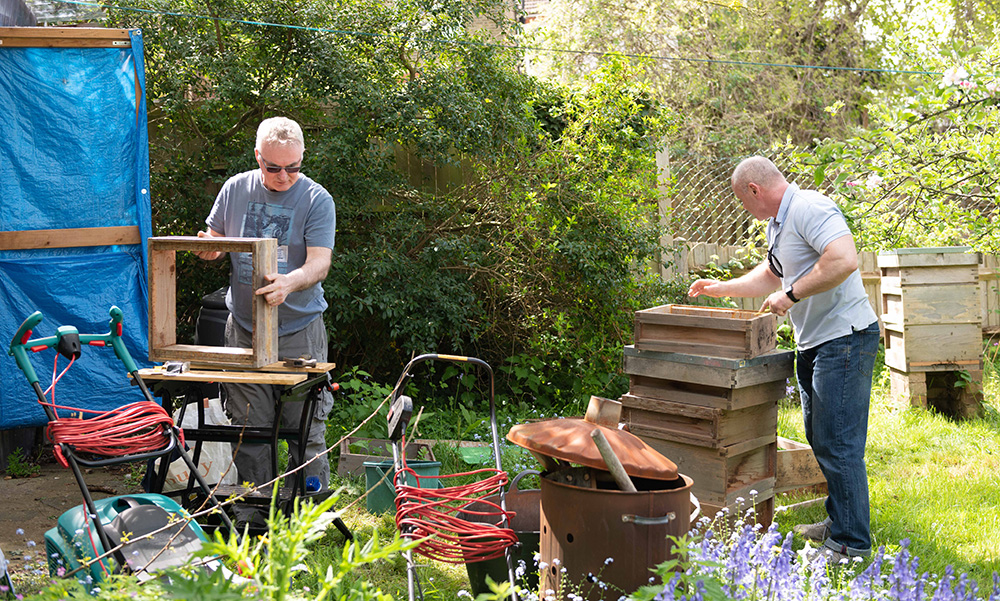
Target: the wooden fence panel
(691, 257)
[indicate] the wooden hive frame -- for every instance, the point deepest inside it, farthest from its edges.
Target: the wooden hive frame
(709, 331)
(163, 302)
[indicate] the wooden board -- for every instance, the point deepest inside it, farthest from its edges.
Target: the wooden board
(718, 372)
(70, 238)
(708, 331)
(939, 347)
(163, 302)
(796, 467)
(946, 256)
(673, 391)
(697, 425)
(918, 305)
(238, 377)
(278, 367)
(64, 37)
(896, 277)
(721, 475)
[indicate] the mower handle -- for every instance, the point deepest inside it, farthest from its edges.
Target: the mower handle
(21, 343)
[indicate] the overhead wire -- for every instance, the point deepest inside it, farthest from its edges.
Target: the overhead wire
(598, 53)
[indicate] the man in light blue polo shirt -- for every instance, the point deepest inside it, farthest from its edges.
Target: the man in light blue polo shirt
(811, 273)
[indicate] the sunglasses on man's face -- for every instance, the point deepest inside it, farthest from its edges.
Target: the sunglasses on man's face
(277, 168)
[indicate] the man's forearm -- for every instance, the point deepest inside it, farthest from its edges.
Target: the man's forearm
(758, 282)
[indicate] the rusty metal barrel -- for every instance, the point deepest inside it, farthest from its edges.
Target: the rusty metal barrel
(583, 528)
(598, 541)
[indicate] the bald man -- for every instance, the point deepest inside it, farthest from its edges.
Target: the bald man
(811, 274)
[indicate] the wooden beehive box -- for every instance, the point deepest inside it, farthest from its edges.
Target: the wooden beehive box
(163, 302)
(943, 347)
(703, 426)
(707, 331)
(796, 467)
(928, 266)
(708, 381)
(931, 308)
(724, 474)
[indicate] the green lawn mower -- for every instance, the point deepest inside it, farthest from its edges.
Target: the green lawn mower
(144, 533)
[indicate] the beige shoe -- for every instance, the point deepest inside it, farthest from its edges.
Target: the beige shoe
(817, 532)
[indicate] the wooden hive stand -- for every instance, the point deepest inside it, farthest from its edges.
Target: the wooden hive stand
(163, 302)
(933, 328)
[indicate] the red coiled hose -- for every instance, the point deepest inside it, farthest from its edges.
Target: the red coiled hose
(139, 427)
(433, 512)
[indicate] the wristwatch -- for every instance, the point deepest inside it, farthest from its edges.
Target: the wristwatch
(790, 294)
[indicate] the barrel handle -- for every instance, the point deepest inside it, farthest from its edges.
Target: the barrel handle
(644, 521)
(517, 479)
(666, 519)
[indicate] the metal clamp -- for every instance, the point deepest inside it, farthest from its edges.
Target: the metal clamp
(644, 521)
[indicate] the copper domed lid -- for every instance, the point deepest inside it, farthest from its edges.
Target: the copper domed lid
(568, 439)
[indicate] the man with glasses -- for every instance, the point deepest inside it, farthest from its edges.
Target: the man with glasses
(811, 273)
(277, 201)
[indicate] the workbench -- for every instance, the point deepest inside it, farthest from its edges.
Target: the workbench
(296, 384)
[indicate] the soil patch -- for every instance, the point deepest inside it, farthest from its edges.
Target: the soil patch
(33, 505)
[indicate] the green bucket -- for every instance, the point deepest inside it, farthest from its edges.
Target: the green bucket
(379, 474)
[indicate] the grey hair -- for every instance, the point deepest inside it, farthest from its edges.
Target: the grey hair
(758, 170)
(279, 130)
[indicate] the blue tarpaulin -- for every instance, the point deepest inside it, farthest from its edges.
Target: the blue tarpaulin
(75, 154)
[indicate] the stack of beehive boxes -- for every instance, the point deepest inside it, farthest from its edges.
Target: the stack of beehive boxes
(704, 386)
(933, 327)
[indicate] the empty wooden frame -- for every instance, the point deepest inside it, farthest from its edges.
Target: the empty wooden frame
(163, 302)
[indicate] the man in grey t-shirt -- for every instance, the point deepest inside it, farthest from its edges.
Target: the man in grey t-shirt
(811, 273)
(277, 201)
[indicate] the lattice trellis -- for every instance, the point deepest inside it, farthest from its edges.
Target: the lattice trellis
(704, 207)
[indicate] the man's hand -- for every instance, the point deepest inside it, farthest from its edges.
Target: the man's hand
(314, 270)
(208, 255)
(706, 287)
(278, 288)
(778, 303)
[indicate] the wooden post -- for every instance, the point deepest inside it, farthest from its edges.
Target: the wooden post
(664, 210)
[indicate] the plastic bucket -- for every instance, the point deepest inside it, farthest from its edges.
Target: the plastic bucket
(380, 482)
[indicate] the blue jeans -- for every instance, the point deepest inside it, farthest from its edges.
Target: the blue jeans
(835, 381)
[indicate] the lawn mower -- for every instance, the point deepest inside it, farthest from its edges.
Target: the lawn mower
(152, 530)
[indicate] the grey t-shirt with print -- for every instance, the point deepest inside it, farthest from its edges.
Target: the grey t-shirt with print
(300, 217)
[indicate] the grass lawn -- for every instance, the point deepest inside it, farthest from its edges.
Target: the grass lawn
(932, 480)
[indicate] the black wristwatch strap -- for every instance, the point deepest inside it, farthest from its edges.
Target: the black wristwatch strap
(790, 295)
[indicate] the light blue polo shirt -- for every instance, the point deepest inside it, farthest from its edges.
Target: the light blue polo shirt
(806, 222)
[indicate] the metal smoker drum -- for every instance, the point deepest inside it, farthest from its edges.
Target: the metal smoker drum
(586, 519)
